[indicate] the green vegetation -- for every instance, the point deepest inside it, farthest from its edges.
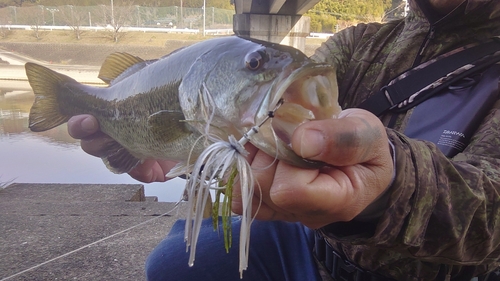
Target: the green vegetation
(333, 15)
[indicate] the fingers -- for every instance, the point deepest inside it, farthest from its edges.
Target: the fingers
(315, 197)
(86, 128)
(263, 169)
(82, 126)
(152, 171)
(357, 149)
(96, 143)
(252, 151)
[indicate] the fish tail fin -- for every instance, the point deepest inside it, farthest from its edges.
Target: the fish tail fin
(45, 113)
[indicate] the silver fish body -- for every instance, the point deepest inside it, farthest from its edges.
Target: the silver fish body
(166, 108)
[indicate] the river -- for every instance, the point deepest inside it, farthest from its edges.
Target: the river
(53, 156)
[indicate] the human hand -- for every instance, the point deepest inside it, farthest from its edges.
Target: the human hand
(93, 142)
(360, 169)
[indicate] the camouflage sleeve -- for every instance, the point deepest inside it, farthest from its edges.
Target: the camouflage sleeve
(440, 210)
(339, 49)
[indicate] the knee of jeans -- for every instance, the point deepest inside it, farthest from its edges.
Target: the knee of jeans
(165, 256)
(150, 266)
(157, 264)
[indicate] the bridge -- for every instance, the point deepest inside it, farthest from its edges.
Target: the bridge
(278, 21)
(277, 7)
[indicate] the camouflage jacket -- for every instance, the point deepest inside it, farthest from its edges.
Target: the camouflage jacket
(442, 214)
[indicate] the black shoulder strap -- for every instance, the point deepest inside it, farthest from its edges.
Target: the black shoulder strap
(415, 80)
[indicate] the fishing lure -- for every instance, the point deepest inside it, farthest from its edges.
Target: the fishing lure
(219, 167)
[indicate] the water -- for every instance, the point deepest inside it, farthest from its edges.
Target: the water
(53, 156)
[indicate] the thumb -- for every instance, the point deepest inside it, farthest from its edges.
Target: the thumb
(311, 141)
(355, 137)
(81, 126)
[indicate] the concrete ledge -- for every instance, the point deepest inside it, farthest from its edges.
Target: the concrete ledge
(42, 224)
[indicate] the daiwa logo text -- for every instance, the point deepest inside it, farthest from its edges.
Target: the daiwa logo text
(455, 133)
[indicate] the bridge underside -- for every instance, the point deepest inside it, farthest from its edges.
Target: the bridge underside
(277, 7)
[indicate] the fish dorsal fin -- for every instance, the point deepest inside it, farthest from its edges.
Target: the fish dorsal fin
(116, 64)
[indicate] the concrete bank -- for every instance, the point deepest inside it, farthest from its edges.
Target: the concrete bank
(79, 232)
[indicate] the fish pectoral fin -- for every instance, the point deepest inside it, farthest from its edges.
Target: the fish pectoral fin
(118, 159)
(168, 124)
(116, 64)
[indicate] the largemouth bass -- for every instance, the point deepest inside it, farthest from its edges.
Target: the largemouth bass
(192, 106)
(154, 109)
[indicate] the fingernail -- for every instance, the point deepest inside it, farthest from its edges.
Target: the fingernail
(89, 125)
(311, 143)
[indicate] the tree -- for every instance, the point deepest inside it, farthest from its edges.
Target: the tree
(330, 15)
(74, 18)
(19, 3)
(118, 15)
(37, 19)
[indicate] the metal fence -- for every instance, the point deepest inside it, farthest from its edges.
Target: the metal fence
(116, 16)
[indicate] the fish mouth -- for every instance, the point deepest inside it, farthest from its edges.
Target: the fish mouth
(306, 93)
(301, 94)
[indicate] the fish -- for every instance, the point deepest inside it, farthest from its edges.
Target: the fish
(152, 107)
(203, 101)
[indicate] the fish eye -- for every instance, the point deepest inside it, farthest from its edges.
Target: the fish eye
(255, 60)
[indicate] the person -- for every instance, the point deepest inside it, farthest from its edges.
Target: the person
(390, 207)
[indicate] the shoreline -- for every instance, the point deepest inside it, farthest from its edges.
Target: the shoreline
(93, 51)
(14, 76)
(84, 54)
(79, 61)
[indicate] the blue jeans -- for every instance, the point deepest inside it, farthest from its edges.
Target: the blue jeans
(278, 251)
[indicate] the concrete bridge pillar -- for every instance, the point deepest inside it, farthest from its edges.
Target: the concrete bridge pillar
(290, 30)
